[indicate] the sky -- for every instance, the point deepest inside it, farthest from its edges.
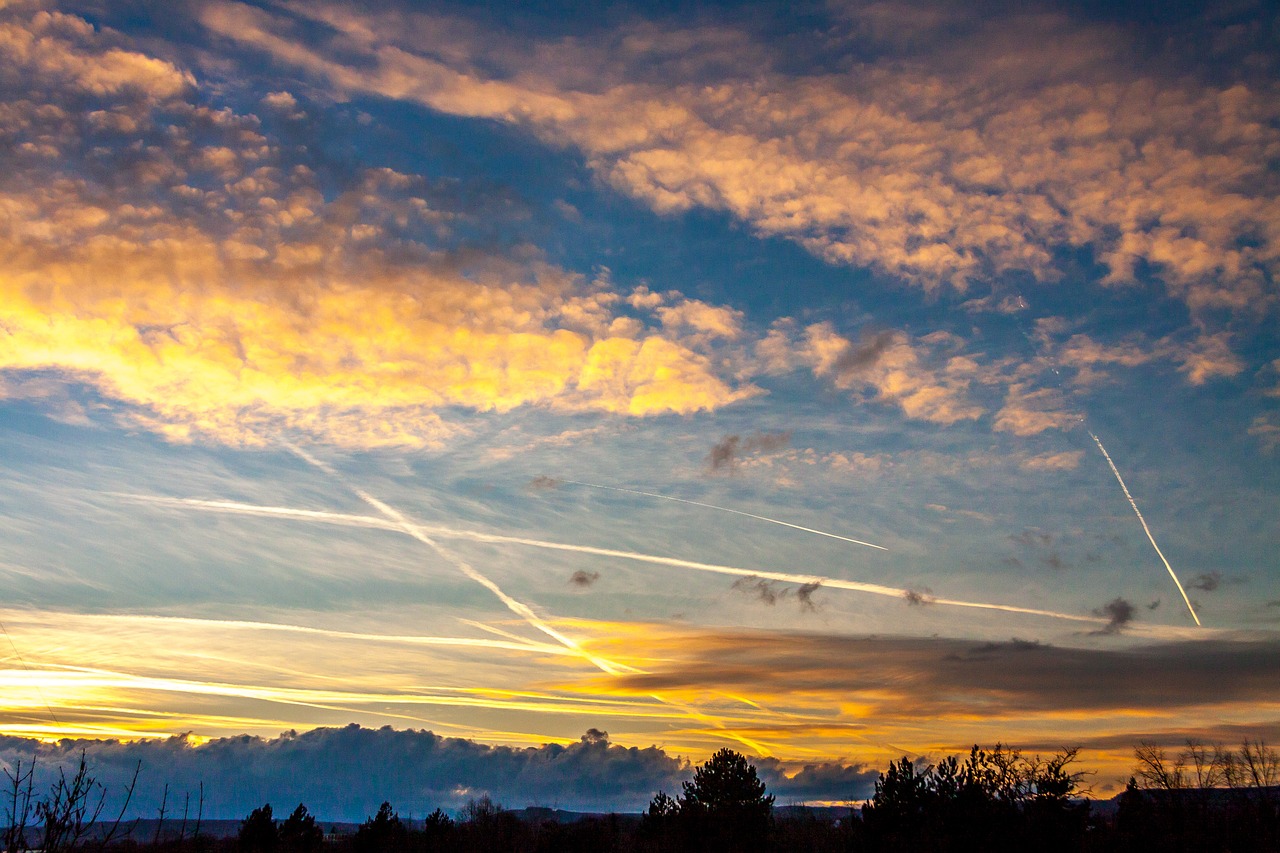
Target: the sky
(561, 392)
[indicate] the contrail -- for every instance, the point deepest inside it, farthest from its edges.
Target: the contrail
(1138, 512)
(519, 608)
(516, 607)
(514, 642)
(674, 562)
(725, 509)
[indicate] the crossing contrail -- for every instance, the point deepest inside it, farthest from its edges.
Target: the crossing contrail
(404, 524)
(724, 509)
(349, 520)
(1138, 512)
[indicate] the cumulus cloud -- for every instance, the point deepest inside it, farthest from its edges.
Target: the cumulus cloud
(963, 154)
(179, 260)
(330, 771)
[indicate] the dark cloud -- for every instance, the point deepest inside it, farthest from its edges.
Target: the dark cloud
(1118, 614)
(539, 484)
(863, 355)
(904, 677)
(918, 597)
(343, 774)
(761, 589)
(850, 782)
(770, 593)
(726, 452)
(583, 579)
(804, 594)
(1154, 605)
(1055, 561)
(1208, 581)
(1032, 538)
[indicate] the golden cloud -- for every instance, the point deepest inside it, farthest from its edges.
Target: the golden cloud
(207, 282)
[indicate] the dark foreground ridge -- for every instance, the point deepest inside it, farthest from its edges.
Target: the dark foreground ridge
(991, 800)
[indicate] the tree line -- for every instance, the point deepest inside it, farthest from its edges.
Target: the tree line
(999, 799)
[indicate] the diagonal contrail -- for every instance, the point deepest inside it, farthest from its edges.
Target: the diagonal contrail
(474, 536)
(519, 608)
(723, 509)
(404, 524)
(1146, 529)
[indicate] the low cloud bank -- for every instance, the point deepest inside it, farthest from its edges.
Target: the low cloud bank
(344, 774)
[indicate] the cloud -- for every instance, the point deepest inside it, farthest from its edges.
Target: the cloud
(804, 594)
(64, 51)
(894, 370)
(727, 452)
(1208, 581)
(1066, 461)
(903, 678)
(917, 598)
(1028, 411)
(329, 770)
(187, 266)
(770, 593)
(1032, 538)
(544, 483)
(583, 579)
(862, 355)
(766, 592)
(1118, 612)
(952, 155)
(1211, 581)
(1267, 431)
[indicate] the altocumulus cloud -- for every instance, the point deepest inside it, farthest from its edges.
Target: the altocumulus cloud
(344, 774)
(950, 146)
(179, 258)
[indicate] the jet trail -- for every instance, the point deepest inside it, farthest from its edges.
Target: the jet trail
(725, 509)
(519, 608)
(514, 643)
(674, 562)
(1138, 512)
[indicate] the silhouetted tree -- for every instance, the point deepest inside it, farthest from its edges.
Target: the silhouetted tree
(299, 832)
(437, 829)
(726, 804)
(258, 832)
(382, 833)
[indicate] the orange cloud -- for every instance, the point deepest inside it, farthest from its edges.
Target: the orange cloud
(895, 370)
(934, 168)
(209, 285)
